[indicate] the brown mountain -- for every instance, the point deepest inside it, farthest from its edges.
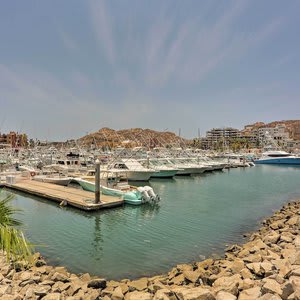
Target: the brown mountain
(292, 126)
(133, 137)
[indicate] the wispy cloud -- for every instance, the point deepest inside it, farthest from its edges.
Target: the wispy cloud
(197, 49)
(62, 110)
(184, 50)
(151, 65)
(103, 28)
(68, 42)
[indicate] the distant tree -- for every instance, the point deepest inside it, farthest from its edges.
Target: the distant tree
(31, 143)
(196, 143)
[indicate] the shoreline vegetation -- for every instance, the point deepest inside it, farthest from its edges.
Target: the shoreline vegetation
(267, 267)
(12, 240)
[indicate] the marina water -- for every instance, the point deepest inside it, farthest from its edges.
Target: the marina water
(197, 217)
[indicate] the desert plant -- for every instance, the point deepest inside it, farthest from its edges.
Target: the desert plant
(12, 240)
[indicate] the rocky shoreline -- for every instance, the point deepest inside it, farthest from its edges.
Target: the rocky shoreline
(265, 268)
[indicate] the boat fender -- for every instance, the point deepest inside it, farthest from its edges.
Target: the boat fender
(32, 173)
(63, 203)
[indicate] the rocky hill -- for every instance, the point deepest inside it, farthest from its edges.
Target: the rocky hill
(133, 137)
(292, 126)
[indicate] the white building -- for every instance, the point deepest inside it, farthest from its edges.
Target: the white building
(278, 134)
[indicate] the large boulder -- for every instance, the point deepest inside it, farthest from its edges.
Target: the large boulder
(272, 238)
(138, 285)
(53, 296)
(255, 268)
(138, 296)
(269, 297)
(287, 290)
(97, 283)
(225, 296)
(198, 293)
(192, 276)
(294, 258)
(42, 290)
(57, 276)
(228, 284)
(271, 286)
(117, 294)
(250, 294)
(165, 294)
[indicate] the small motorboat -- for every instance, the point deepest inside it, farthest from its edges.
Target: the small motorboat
(130, 194)
(53, 179)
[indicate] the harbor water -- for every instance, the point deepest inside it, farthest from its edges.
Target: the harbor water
(196, 218)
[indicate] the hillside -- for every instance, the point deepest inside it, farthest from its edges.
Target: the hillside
(133, 137)
(292, 126)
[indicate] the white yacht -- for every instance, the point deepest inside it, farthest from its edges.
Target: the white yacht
(134, 170)
(162, 171)
(278, 158)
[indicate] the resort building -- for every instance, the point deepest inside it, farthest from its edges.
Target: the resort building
(278, 134)
(219, 136)
(13, 140)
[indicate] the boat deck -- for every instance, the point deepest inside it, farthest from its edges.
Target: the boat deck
(74, 197)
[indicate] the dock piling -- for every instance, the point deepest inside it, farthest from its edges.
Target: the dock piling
(97, 182)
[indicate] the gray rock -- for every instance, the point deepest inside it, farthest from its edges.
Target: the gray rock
(228, 284)
(287, 290)
(98, 283)
(60, 277)
(40, 263)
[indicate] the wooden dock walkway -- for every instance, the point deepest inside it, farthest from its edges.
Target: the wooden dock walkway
(72, 196)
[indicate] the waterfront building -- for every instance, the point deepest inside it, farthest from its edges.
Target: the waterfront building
(278, 134)
(13, 139)
(217, 137)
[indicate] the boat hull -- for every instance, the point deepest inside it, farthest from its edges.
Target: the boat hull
(86, 185)
(164, 174)
(58, 181)
(129, 197)
(139, 176)
(188, 171)
(279, 161)
(133, 202)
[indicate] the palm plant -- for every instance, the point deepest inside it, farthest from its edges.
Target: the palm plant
(12, 240)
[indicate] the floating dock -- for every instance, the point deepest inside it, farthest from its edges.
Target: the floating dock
(69, 196)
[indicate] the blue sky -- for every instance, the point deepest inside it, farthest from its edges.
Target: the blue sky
(72, 67)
